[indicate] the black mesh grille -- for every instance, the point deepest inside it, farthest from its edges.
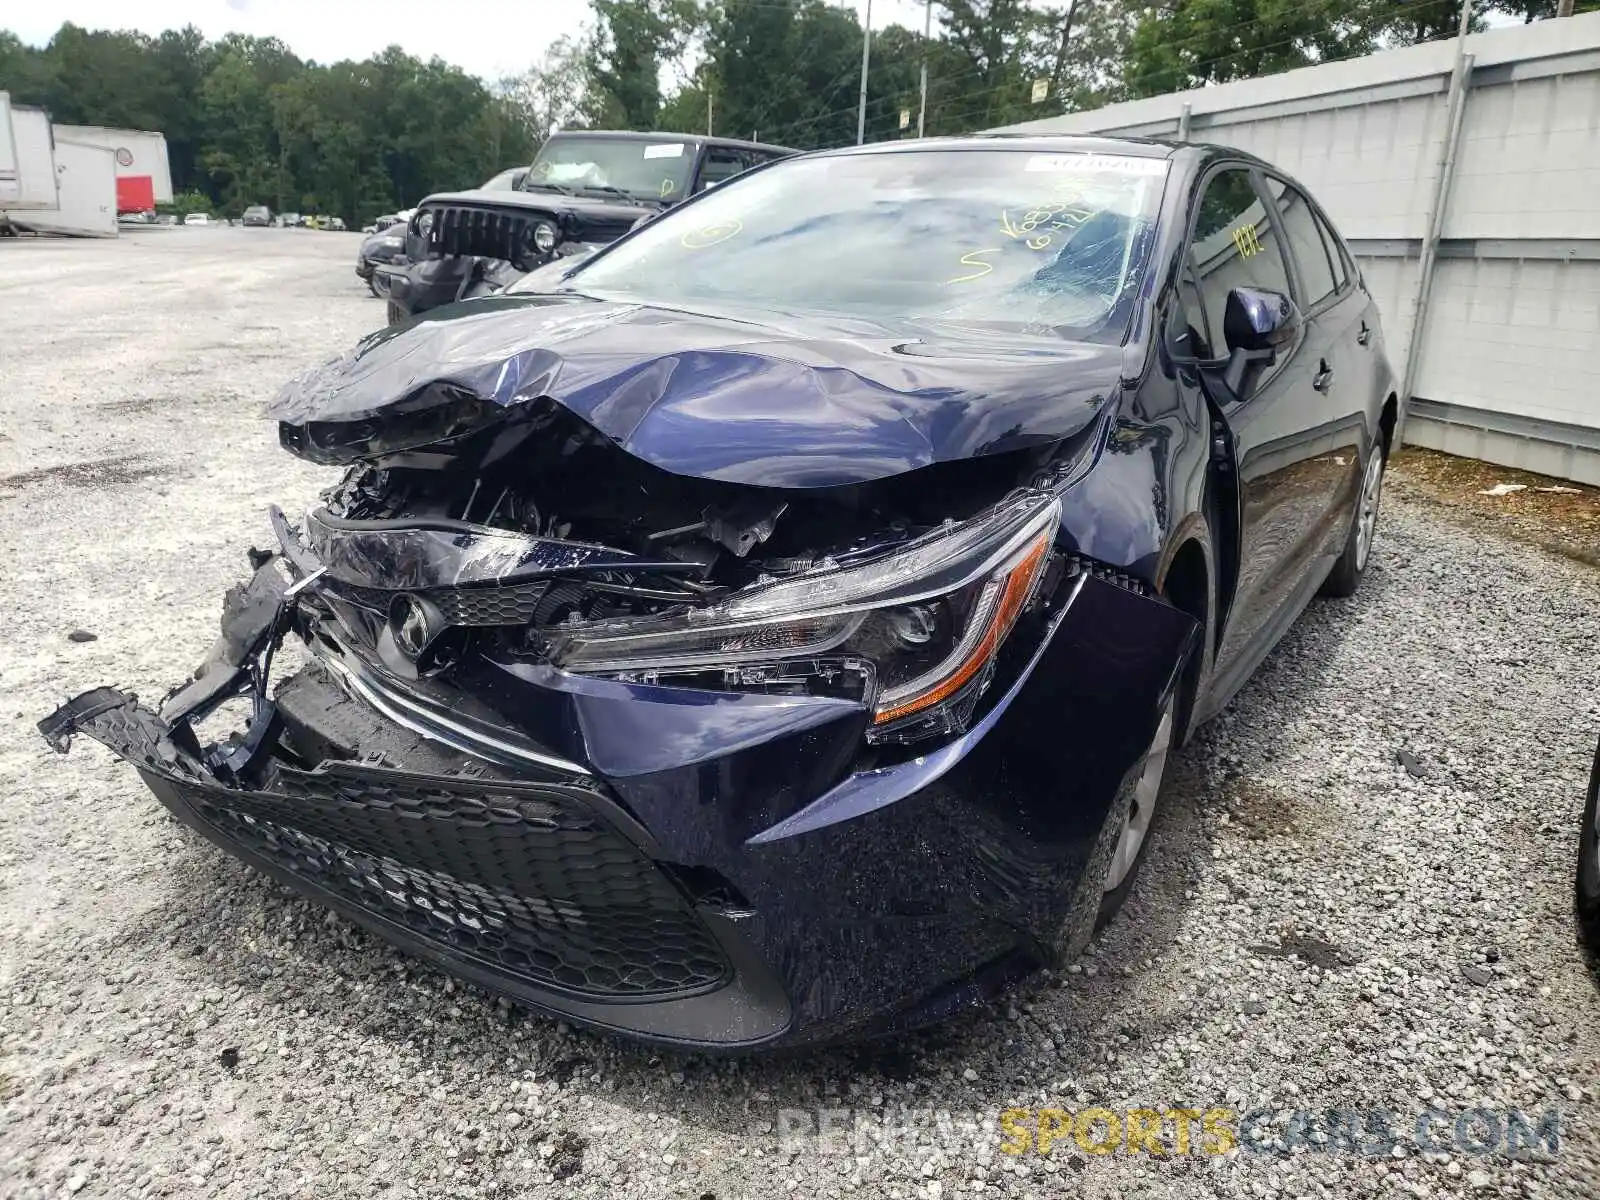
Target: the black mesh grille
(514, 604)
(530, 885)
(527, 879)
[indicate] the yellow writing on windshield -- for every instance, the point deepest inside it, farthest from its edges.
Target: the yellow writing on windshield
(1039, 227)
(1247, 241)
(710, 235)
(971, 259)
(667, 188)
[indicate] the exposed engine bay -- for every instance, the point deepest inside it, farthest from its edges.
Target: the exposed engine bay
(537, 531)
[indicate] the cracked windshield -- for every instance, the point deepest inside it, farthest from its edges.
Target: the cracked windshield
(641, 169)
(1035, 243)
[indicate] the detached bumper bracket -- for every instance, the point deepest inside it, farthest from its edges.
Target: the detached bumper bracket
(60, 725)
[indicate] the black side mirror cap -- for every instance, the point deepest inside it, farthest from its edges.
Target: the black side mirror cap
(1257, 323)
(1259, 319)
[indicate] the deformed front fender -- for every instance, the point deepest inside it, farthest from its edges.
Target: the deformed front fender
(1014, 814)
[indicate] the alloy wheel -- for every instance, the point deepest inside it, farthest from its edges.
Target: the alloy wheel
(1367, 518)
(1145, 795)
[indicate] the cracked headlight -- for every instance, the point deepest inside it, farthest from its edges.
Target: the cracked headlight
(919, 626)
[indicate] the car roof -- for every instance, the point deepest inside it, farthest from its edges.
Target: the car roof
(1038, 143)
(693, 139)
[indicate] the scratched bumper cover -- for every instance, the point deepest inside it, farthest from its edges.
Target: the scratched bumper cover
(699, 876)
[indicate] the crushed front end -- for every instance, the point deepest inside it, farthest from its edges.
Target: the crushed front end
(709, 763)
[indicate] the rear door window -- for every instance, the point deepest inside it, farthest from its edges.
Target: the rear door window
(721, 165)
(1300, 229)
(1337, 255)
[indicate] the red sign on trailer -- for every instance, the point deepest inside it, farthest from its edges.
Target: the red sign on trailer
(135, 193)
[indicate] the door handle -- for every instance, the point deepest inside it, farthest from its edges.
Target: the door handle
(1323, 378)
(1364, 336)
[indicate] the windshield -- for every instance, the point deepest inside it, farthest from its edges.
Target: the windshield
(1052, 243)
(653, 170)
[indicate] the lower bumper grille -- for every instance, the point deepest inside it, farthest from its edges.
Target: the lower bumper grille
(525, 887)
(526, 879)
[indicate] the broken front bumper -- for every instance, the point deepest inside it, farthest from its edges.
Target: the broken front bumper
(537, 887)
(694, 867)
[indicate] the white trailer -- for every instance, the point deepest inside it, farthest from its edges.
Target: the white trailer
(87, 194)
(144, 178)
(27, 159)
(51, 183)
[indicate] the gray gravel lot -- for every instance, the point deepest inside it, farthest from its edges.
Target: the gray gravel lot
(1317, 927)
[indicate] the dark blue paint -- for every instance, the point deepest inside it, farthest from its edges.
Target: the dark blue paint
(775, 401)
(878, 887)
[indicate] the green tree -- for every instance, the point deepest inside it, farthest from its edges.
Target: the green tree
(27, 74)
(555, 94)
(632, 40)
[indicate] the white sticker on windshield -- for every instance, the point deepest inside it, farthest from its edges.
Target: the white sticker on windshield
(1125, 165)
(664, 150)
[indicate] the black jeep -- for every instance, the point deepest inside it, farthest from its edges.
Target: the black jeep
(584, 189)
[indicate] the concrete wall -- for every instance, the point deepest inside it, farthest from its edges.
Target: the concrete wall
(1508, 366)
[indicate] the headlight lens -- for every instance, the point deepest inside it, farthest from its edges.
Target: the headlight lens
(922, 623)
(424, 224)
(545, 237)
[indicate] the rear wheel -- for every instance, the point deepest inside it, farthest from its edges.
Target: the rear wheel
(1588, 891)
(1346, 575)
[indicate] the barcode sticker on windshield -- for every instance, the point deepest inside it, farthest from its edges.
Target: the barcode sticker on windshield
(1125, 165)
(664, 150)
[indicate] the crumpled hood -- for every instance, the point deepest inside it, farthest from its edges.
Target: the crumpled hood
(786, 402)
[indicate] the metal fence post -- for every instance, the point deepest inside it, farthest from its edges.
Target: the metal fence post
(1455, 107)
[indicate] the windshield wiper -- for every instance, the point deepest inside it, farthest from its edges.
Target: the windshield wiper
(554, 187)
(610, 190)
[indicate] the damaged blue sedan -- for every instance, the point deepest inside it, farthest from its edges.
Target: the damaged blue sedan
(774, 628)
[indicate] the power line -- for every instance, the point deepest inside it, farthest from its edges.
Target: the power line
(962, 108)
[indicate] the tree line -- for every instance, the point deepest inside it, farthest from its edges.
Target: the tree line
(248, 122)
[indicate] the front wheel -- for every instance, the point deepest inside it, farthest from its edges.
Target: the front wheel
(1129, 854)
(1346, 575)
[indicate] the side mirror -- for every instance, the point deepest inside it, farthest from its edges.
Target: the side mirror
(1256, 323)
(1259, 320)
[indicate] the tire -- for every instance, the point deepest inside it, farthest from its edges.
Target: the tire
(1135, 840)
(1346, 575)
(1587, 897)
(372, 286)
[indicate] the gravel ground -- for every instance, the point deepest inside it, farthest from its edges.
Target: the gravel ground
(1320, 925)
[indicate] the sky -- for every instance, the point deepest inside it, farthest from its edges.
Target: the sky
(489, 38)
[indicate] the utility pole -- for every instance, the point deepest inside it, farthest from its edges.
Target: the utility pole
(711, 97)
(927, 32)
(866, 55)
(1563, 8)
